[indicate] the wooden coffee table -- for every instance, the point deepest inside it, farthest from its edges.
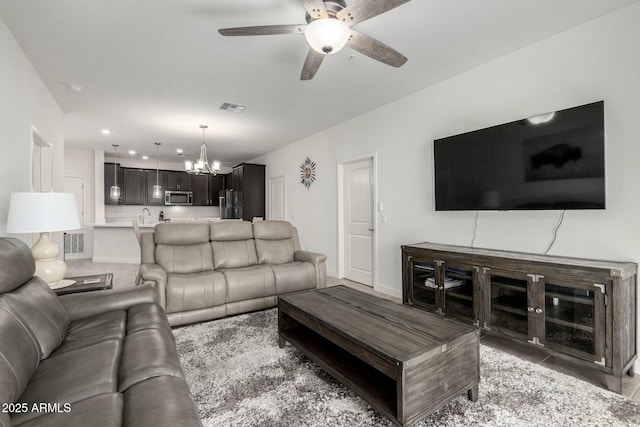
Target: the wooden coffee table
(404, 362)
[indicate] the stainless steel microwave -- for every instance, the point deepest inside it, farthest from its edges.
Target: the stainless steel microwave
(178, 198)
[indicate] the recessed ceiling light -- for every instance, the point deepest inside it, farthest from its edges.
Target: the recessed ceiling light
(105, 131)
(145, 157)
(132, 152)
(179, 150)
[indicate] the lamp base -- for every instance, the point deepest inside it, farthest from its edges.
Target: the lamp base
(48, 267)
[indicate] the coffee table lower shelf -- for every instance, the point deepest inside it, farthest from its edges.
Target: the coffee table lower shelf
(367, 382)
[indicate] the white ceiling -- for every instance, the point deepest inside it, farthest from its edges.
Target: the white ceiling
(153, 70)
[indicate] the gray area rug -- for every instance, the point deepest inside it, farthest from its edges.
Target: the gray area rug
(239, 377)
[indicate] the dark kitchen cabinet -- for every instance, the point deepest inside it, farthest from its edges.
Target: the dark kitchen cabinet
(179, 181)
(206, 189)
(150, 177)
(134, 187)
(216, 183)
(110, 172)
(248, 182)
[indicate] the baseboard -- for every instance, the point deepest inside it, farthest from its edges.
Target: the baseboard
(117, 260)
(332, 274)
(397, 293)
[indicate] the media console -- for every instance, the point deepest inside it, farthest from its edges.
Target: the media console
(579, 310)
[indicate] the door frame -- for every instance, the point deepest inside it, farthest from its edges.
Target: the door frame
(341, 210)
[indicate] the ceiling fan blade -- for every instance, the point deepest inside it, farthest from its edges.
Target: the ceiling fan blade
(263, 30)
(316, 9)
(374, 49)
(362, 10)
(311, 64)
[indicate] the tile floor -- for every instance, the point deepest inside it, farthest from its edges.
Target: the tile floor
(124, 276)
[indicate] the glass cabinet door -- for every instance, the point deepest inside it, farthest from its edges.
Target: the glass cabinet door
(508, 304)
(459, 292)
(570, 314)
(424, 285)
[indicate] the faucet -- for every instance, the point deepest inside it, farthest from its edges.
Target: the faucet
(142, 216)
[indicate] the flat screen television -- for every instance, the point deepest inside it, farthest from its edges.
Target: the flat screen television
(551, 161)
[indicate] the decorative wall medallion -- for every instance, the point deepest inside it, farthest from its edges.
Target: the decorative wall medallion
(307, 172)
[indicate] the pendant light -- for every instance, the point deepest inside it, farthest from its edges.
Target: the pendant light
(114, 193)
(202, 164)
(157, 189)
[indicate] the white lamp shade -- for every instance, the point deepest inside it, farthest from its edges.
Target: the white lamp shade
(327, 35)
(216, 166)
(42, 212)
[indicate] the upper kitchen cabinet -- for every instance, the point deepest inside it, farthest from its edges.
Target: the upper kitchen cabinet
(110, 172)
(179, 181)
(206, 189)
(150, 176)
(134, 191)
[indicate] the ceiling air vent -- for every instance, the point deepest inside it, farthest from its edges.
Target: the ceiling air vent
(234, 108)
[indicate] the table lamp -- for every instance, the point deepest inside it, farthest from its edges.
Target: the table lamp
(44, 213)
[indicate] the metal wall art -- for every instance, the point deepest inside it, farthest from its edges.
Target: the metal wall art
(307, 172)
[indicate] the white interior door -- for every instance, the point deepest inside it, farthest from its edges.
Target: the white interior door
(358, 221)
(278, 198)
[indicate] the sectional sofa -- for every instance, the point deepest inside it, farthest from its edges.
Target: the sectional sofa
(95, 359)
(205, 271)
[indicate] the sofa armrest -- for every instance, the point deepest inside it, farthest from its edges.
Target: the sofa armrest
(87, 304)
(319, 263)
(154, 274)
(312, 257)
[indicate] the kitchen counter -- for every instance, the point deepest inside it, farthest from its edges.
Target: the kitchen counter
(123, 224)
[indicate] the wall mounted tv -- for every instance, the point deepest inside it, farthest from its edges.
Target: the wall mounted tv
(550, 161)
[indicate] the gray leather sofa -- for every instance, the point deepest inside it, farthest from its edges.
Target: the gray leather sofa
(95, 359)
(205, 271)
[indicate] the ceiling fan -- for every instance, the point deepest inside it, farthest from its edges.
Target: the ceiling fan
(329, 29)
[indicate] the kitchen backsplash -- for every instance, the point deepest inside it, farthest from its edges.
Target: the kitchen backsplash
(127, 213)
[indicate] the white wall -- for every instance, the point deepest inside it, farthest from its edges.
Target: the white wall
(596, 61)
(24, 102)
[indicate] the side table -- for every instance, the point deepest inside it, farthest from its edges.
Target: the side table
(96, 282)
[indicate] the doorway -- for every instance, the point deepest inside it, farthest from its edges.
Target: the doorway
(357, 221)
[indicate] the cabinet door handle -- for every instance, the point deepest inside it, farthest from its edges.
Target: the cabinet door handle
(539, 310)
(530, 309)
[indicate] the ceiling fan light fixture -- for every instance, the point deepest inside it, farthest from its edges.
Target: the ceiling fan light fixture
(327, 35)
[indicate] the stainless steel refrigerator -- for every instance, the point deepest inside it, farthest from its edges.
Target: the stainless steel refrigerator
(230, 208)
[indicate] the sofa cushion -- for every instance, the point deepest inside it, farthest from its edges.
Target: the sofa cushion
(94, 329)
(160, 401)
(232, 244)
(41, 309)
(185, 258)
(294, 276)
(274, 242)
(147, 354)
(73, 376)
(227, 231)
(19, 354)
(194, 291)
(16, 263)
(181, 234)
(245, 283)
(104, 411)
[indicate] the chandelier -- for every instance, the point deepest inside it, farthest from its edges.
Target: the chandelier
(202, 164)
